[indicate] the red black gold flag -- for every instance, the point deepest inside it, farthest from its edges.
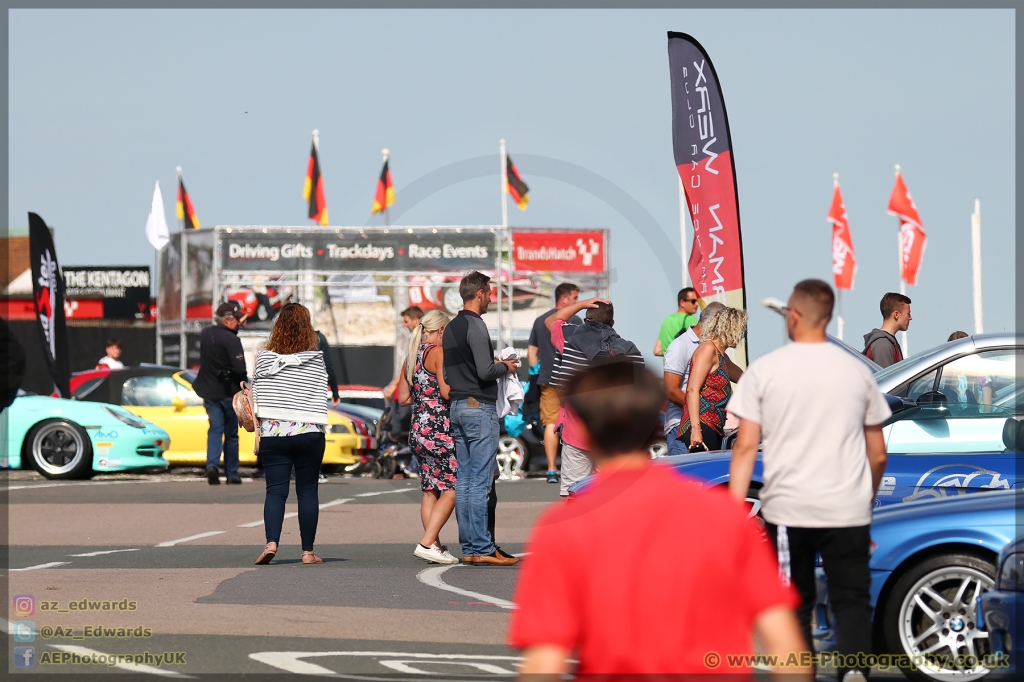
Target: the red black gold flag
(385, 191)
(185, 211)
(515, 185)
(313, 191)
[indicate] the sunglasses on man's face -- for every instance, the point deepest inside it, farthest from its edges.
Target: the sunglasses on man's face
(689, 300)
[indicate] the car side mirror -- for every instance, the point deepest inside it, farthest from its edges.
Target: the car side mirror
(897, 404)
(931, 398)
(178, 402)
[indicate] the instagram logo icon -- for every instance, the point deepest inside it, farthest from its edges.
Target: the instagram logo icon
(24, 605)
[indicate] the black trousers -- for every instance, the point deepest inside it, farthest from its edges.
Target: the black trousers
(844, 556)
(304, 452)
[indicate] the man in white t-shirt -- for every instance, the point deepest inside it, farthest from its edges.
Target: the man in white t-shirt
(677, 371)
(820, 413)
(112, 360)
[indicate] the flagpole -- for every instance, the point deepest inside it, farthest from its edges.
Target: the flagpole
(504, 230)
(182, 350)
(387, 221)
(903, 282)
(976, 263)
(683, 211)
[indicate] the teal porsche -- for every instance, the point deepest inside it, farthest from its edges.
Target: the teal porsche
(67, 439)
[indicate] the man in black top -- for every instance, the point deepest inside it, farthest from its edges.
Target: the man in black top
(221, 369)
(472, 373)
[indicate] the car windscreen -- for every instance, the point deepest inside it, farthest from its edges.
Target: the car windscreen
(889, 371)
(87, 387)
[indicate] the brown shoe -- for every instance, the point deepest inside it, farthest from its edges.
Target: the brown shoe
(469, 560)
(311, 558)
(495, 559)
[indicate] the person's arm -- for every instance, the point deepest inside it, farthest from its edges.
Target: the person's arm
(657, 348)
(403, 392)
(877, 456)
(545, 662)
(744, 454)
(487, 368)
(236, 356)
(700, 368)
(778, 631)
(434, 362)
(565, 314)
(733, 370)
(332, 377)
(673, 391)
(532, 355)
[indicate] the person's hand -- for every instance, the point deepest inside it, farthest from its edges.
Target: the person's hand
(335, 402)
(512, 365)
(696, 438)
(592, 302)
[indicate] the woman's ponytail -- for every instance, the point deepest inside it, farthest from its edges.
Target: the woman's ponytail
(414, 346)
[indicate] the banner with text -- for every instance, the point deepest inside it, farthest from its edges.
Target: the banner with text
(446, 251)
(573, 251)
(48, 294)
(702, 148)
(122, 292)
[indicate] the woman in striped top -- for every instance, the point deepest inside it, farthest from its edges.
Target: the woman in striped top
(289, 392)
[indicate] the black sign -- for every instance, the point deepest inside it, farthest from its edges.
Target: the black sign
(48, 292)
(443, 251)
(124, 290)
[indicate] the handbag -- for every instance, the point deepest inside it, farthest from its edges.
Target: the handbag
(699, 447)
(245, 410)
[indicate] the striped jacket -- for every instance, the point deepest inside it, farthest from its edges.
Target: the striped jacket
(587, 345)
(290, 387)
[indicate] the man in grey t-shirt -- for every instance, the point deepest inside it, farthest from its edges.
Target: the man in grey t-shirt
(820, 413)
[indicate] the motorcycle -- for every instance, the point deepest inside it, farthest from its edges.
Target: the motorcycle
(394, 454)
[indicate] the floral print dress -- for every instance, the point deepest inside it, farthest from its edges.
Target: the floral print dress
(430, 434)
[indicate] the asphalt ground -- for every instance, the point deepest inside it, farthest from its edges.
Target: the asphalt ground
(173, 558)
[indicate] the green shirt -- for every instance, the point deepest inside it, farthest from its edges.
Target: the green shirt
(673, 325)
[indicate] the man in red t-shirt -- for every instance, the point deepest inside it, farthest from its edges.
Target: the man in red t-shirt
(688, 580)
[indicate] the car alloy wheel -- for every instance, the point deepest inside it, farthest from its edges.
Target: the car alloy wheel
(936, 617)
(60, 449)
(658, 450)
(511, 453)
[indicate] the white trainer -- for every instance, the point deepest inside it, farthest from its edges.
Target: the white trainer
(434, 555)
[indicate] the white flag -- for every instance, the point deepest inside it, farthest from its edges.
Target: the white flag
(156, 223)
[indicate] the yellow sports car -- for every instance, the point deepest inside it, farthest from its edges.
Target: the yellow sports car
(164, 396)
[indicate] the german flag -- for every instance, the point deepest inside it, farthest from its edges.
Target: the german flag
(515, 185)
(185, 211)
(385, 191)
(313, 191)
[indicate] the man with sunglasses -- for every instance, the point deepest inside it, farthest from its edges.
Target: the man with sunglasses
(679, 321)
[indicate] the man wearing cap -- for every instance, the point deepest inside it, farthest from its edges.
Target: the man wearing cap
(221, 369)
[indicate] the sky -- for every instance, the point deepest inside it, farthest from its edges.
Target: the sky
(102, 103)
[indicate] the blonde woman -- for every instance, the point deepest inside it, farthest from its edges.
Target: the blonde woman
(422, 385)
(709, 386)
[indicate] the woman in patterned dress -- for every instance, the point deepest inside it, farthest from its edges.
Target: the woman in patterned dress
(709, 386)
(422, 385)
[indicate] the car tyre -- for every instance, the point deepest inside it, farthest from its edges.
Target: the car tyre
(939, 596)
(510, 457)
(60, 450)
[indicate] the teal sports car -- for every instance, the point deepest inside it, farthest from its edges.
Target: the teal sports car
(67, 439)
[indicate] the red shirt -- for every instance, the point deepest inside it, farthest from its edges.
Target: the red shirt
(646, 573)
(573, 431)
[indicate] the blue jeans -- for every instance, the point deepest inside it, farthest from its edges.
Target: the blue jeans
(475, 430)
(304, 452)
(223, 429)
(676, 446)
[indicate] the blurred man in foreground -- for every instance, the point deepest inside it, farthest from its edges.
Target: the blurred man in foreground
(625, 611)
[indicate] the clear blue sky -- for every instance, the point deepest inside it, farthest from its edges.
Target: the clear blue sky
(103, 103)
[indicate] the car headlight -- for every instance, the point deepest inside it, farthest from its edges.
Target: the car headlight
(339, 428)
(1011, 574)
(125, 417)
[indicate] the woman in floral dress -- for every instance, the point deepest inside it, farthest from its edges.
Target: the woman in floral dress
(422, 385)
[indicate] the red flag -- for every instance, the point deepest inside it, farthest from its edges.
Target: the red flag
(912, 235)
(844, 262)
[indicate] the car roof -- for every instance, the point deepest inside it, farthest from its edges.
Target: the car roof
(110, 390)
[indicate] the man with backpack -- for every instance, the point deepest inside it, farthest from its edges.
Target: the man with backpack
(880, 345)
(579, 347)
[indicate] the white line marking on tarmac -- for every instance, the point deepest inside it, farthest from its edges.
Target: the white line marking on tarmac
(106, 551)
(291, 661)
(386, 492)
(80, 483)
(172, 543)
(432, 578)
(289, 515)
(52, 564)
(139, 668)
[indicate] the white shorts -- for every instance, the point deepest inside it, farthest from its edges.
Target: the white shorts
(575, 467)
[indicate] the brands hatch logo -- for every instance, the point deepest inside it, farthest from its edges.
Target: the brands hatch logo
(248, 251)
(584, 251)
(956, 479)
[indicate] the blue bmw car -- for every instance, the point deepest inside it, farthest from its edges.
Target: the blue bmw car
(1001, 610)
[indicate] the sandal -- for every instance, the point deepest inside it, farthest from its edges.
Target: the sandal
(311, 558)
(267, 556)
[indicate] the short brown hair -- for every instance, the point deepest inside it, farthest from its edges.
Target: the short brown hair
(293, 332)
(113, 341)
(892, 302)
(681, 296)
(565, 289)
(819, 297)
(413, 311)
(472, 283)
(956, 335)
(619, 403)
(602, 313)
